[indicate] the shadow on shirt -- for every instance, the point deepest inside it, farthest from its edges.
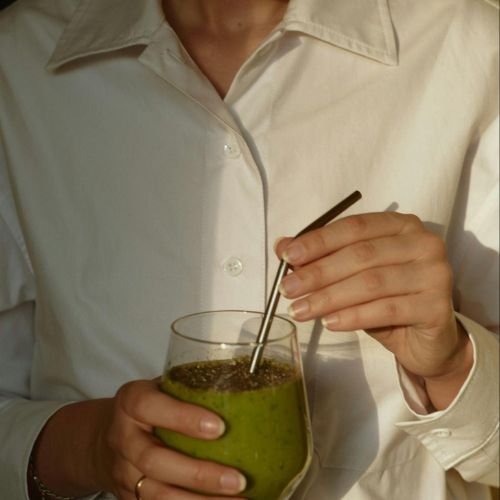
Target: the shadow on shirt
(344, 413)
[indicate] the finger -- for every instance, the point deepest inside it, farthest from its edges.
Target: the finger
(158, 462)
(361, 256)
(280, 244)
(125, 476)
(374, 284)
(426, 311)
(151, 489)
(318, 243)
(144, 402)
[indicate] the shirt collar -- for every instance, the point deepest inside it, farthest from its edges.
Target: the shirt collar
(361, 26)
(97, 26)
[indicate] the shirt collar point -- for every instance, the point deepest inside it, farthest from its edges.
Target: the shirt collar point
(391, 58)
(364, 27)
(57, 60)
(135, 23)
(65, 54)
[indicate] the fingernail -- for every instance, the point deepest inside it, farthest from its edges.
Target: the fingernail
(330, 321)
(289, 284)
(293, 253)
(212, 426)
(277, 242)
(233, 482)
(298, 308)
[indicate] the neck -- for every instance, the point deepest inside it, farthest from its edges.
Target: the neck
(224, 16)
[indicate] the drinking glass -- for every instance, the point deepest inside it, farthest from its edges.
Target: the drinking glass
(268, 436)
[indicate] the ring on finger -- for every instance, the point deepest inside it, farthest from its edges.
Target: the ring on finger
(137, 489)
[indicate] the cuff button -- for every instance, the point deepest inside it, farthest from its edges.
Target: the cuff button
(441, 433)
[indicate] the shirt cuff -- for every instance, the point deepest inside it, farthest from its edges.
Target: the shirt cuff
(20, 424)
(468, 426)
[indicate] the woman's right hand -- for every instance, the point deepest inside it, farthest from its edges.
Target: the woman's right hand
(109, 445)
(127, 450)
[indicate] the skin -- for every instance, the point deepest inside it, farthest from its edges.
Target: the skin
(383, 273)
(386, 274)
(107, 445)
(220, 35)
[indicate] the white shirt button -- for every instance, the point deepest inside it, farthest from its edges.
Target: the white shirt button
(232, 150)
(233, 267)
(441, 433)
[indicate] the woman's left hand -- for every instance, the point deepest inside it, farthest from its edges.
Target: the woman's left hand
(387, 274)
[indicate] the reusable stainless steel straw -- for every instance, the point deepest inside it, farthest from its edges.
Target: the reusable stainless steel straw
(272, 303)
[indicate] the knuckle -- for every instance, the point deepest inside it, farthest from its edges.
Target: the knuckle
(444, 274)
(318, 241)
(373, 280)
(364, 252)
(434, 245)
(354, 316)
(138, 407)
(440, 248)
(315, 273)
(124, 392)
(128, 398)
(185, 419)
(411, 221)
(391, 310)
(355, 225)
(147, 461)
(199, 475)
(128, 389)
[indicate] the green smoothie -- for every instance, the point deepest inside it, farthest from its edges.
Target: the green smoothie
(266, 424)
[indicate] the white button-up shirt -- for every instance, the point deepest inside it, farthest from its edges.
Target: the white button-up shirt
(131, 194)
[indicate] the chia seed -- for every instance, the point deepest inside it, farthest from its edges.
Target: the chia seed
(232, 375)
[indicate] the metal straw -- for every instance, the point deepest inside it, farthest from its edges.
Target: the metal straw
(272, 303)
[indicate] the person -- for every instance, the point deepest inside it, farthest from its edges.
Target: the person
(152, 152)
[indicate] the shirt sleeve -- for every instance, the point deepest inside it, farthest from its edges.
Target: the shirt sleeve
(20, 419)
(465, 435)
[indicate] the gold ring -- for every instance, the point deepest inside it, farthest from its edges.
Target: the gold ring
(137, 489)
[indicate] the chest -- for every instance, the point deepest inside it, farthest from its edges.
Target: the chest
(141, 199)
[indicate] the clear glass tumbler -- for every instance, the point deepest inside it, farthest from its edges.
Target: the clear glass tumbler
(268, 435)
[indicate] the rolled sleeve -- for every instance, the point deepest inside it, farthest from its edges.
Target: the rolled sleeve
(20, 423)
(465, 435)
